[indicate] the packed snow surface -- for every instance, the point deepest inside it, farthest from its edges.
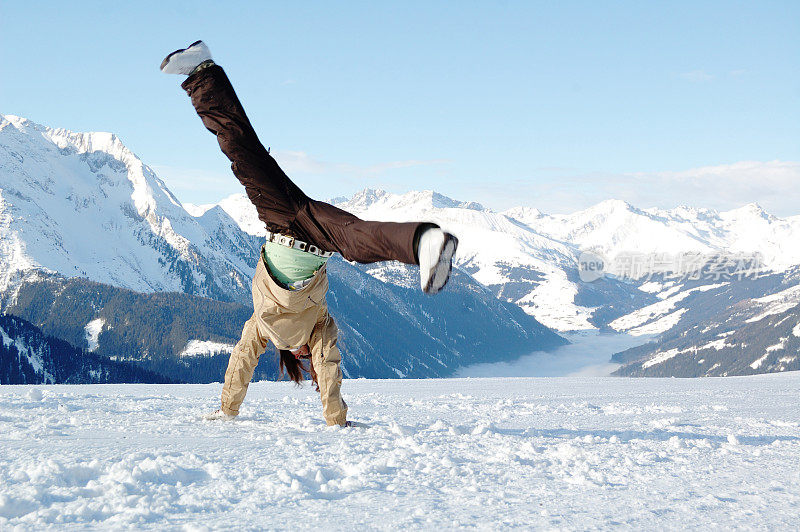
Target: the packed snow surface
(560, 453)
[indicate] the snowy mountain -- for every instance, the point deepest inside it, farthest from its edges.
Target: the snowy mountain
(613, 227)
(736, 328)
(77, 209)
(532, 259)
(238, 207)
(62, 193)
(519, 265)
(82, 204)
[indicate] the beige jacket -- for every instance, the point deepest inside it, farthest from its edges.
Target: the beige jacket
(288, 316)
(289, 319)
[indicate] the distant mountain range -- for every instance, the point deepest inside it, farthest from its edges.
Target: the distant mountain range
(532, 259)
(87, 231)
(83, 205)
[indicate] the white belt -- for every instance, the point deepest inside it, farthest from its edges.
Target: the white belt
(292, 242)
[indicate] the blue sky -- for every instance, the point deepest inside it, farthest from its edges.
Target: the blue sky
(555, 105)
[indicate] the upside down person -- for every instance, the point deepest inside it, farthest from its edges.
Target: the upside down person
(291, 281)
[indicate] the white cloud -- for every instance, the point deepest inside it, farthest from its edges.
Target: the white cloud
(587, 355)
(775, 185)
(750, 174)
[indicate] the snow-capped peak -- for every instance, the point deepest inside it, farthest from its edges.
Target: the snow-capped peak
(523, 213)
(97, 148)
(750, 211)
(83, 204)
(607, 209)
(366, 198)
(238, 207)
(424, 199)
(14, 120)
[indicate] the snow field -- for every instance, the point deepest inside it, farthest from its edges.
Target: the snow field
(92, 332)
(205, 348)
(564, 453)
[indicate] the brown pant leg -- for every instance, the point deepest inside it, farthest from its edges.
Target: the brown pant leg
(241, 366)
(276, 198)
(281, 205)
(356, 239)
(327, 360)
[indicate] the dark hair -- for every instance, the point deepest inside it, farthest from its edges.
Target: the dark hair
(294, 368)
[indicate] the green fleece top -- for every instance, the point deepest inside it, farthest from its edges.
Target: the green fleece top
(289, 265)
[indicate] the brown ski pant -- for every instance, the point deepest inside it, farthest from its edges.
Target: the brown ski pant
(281, 205)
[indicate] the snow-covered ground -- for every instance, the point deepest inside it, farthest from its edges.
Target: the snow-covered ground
(562, 453)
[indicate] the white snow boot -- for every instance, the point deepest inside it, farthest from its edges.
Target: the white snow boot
(435, 251)
(218, 414)
(185, 60)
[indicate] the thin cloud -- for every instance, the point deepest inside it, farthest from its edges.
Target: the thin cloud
(775, 185)
(749, 173)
